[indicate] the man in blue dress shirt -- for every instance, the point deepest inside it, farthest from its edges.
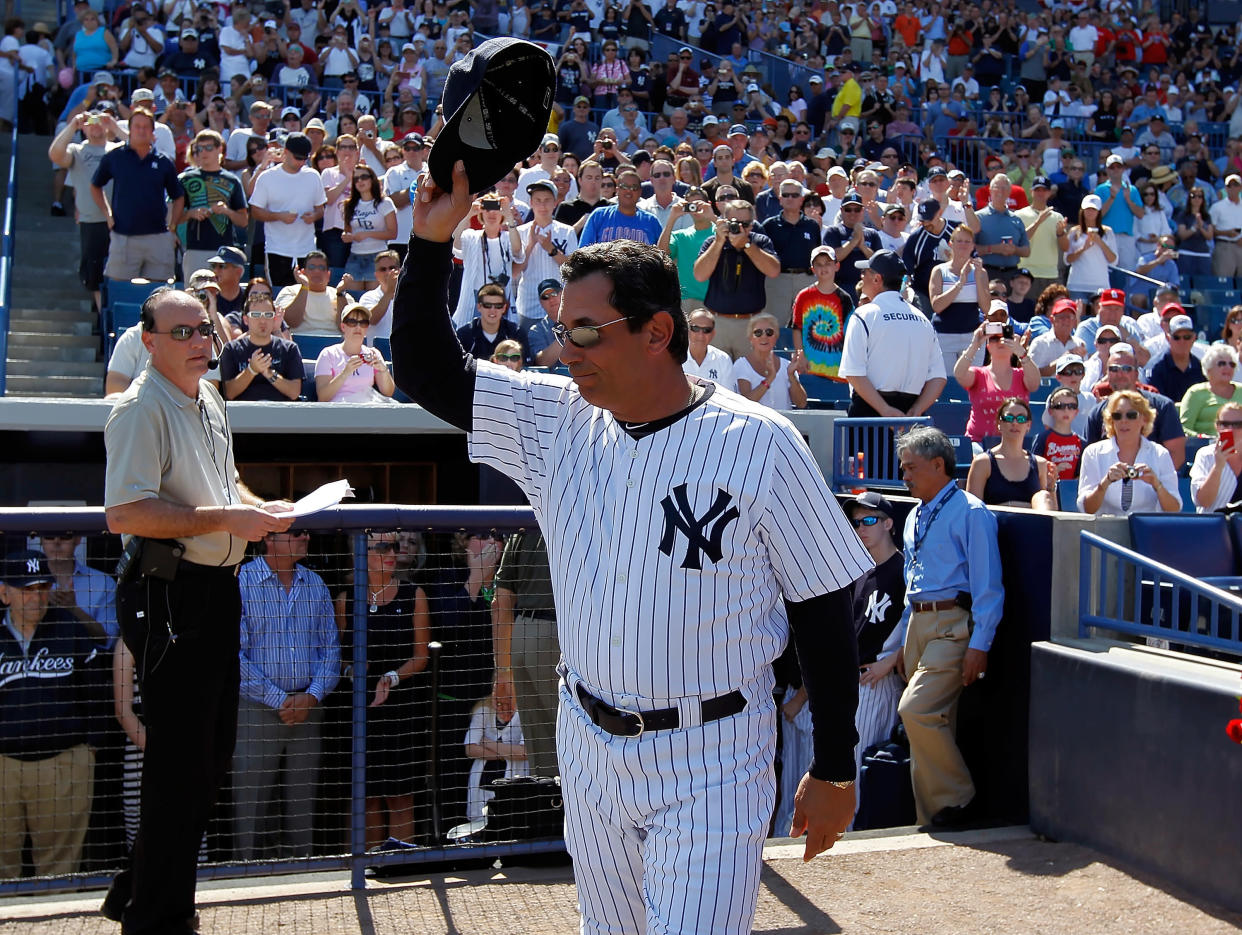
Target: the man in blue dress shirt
(953, 604)
(290, 662)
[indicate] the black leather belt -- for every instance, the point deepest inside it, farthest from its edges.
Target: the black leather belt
(621, 723)
(800, 271)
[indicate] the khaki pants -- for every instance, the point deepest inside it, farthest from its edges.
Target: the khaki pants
(732, 335)
(1227, 259)
(536, 683)
(51, 799)
(781, 292)
(936, 644)
(193, 260)
(143, 256)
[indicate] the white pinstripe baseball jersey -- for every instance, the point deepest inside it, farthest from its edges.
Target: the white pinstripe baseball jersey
(669, 553)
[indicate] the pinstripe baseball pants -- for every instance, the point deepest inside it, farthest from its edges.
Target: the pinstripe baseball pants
(666, 829)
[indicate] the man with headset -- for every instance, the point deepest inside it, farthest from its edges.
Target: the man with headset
(173, 493)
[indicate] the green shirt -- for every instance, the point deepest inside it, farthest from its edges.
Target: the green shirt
(1200, 405)
(684, 247)
(523, 569)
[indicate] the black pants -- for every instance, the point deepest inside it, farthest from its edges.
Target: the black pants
(280, 270)
(189, 705)
(861, 409)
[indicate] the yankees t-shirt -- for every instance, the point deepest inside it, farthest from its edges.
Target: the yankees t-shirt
(879, 599)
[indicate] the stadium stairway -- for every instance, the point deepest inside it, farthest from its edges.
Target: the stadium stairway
(54, 341)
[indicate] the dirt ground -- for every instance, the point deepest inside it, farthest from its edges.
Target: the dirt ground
(999, 882)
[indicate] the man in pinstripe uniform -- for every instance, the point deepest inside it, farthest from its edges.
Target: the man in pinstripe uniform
(689, 533)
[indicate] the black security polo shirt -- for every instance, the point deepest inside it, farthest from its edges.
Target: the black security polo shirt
(737, 286)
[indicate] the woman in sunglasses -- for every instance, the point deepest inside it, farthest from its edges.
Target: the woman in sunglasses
(508, 354)
(350, 372)
(370, 223)
(1203, 401)
(1231, 333)
(1214, 476)
(1126, 472)
(1006, 474)
(764, 377)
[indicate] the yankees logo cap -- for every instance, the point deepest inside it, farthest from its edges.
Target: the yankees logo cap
(497, 101)
(870, 500)
(22, 569)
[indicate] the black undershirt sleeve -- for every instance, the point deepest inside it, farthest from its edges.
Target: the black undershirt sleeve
(428, 362)
(823, 633)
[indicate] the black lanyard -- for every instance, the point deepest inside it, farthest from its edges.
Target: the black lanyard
(919, 540)
(504, 257)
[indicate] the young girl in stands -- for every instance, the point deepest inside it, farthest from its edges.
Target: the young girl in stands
(1058, 443)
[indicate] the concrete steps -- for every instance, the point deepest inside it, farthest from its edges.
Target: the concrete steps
(54, 342)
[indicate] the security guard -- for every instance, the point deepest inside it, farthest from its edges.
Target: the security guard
(173, 492)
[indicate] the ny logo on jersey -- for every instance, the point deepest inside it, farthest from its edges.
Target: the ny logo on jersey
(681, 517)
(877, 606)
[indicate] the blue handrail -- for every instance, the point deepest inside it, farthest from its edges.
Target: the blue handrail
(863, 452)
(6, 259)
(1122, 591)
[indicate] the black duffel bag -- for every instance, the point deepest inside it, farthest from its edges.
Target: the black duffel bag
(524, 808)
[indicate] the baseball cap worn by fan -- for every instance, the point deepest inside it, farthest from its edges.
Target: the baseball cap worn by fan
(497, 101)
(298, 145)
(869, 500)
(1113, 297)
(885, 262)
(549, 285)
(929, 209)
(22, 569)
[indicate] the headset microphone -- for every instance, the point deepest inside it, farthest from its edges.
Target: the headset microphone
(218, 346)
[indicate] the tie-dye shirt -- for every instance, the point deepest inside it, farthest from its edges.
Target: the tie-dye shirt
(820, 317)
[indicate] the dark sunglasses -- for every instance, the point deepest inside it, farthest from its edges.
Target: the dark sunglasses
(582, 335)
(1120, 368)
(860, 521)
(1015, 418)
(1183, 337)
(702, 329)
(356, 322)
(185, 332)
(764, 332)
(1076, 372)
(661, 175)
(62, 536)
(1063, 406)
(493, 304)
(382, 548)
(1129, 415)
(503, 357)
(1107, 340)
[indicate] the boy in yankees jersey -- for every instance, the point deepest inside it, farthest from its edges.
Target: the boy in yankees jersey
(689, 532)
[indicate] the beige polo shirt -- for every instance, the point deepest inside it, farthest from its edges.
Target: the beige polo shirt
(163, 444)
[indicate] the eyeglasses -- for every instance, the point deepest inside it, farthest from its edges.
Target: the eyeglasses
(1120, 368)
(1060, 406)
(630, 188)
(382, 548)
(850, 209)
(791, 194)
(362, 178)
(1015, 418)
(185, 332)
(1107, 340)
(1226, 363)
(340, 146)
(1183, 337)
(496, 305)
(1075, 372)
(506, 357)
(686, 58)
(1129, 415)
(764, 332)
(661, 175)
(258, 313)
(702, 329)
(860, 521)
(582, 335)
(356, 322)
(206, 147)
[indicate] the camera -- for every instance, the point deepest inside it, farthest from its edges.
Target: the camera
(607, 144)
(694, 207)
(735, 227)
(490, 204)
(1007, 332)
(500, 279)
(1132, 472)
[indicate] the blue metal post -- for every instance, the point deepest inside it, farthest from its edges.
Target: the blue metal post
(357, 771)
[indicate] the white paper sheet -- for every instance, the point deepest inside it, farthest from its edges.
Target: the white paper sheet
(325, 497)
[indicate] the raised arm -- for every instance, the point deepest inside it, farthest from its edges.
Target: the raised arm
(428, 361)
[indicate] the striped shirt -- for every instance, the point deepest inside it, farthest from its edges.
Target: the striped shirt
(669, 553)
(288, 638)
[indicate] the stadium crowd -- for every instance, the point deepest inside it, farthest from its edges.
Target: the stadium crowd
(1047, 207)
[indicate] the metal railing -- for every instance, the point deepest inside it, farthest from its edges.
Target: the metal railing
(863, 452)
(1121, 591)
(6, 258)
(354, 521)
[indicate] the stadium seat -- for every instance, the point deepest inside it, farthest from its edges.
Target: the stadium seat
(784, 341)
(122, 300)
(1196, 544)
(964, 452)
(311, 345)
(823, 389)
(954, 392)
(1067, 495)
(1211, 282)
(950, 417)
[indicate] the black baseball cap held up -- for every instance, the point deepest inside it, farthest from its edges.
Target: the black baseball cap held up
(497, 101)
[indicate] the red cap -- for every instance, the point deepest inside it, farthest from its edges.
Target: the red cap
(1173, 308)
(1064, 305)
(1112, 297)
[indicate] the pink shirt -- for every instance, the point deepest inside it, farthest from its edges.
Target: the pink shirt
(986, 398)
(358, 386)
